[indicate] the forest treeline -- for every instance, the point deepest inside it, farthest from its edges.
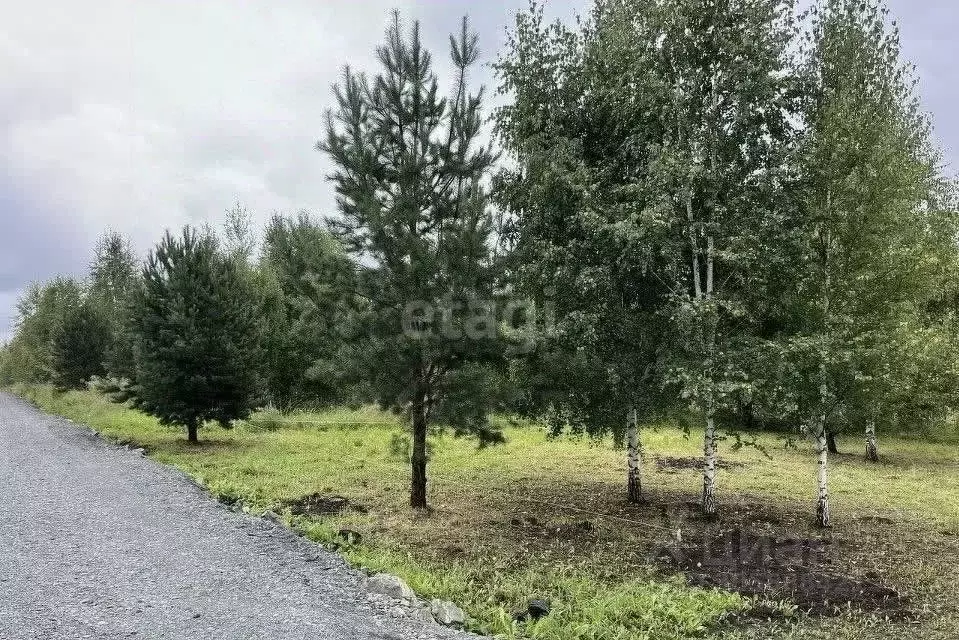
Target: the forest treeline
(721, 211)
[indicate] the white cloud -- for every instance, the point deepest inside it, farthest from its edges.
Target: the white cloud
(141, 115)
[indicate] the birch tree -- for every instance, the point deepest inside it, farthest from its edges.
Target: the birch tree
(719, 170)
(114, 276)
(578, 128)
(309, 283)
(871, 237)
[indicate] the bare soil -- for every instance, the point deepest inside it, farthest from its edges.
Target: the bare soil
(669, 463)
(317, 504)
(780, 569)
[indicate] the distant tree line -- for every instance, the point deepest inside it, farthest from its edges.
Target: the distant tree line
(714, 211)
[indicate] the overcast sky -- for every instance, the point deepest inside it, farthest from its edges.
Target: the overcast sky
(144, 115)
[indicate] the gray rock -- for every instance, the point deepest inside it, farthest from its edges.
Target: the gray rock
(387, 585)
(272, 517)
(423, 613)
(446, 612)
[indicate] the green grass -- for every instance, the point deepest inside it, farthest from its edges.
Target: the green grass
(541, 517)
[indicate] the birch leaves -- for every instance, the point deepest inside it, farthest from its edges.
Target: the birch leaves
(712, 203)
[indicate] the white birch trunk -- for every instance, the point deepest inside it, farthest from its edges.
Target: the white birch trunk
(709, 437)
(709, 470)
(634, 482)
(694, 247)
(822, 500)
(822, 445)
(872, 449)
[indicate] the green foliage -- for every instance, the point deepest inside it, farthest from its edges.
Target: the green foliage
(310, 283)
(79, 346)
(713, 175)
(197, 335)
(580, 244)
(409, 176)
(240, 239)
(40, 313)
(874, 229)
(6, 366)
(706, 227)
(114, 277)
(649, 147)
(113, 274)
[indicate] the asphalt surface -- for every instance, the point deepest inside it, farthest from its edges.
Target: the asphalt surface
(99, 542)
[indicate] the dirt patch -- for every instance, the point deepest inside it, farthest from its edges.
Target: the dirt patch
(780, 569)
(317, 504)
(671, 464)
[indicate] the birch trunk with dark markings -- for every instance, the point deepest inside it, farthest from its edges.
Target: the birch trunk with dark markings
(822, 451)
(709, 471)
(822, 500)
(822, 434)
(634, 483)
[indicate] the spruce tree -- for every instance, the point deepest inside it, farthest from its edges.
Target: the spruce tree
(197, 337)
(410, 173)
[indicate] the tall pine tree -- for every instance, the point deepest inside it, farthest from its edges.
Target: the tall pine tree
(410, 181)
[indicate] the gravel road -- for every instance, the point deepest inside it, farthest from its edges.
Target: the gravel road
(98, 542)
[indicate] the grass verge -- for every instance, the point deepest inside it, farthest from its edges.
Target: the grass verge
(545, 518)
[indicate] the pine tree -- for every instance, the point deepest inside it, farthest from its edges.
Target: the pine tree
(197, 337)
(410, 174)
